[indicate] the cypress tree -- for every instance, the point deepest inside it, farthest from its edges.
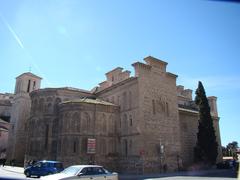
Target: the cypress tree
(206, 149)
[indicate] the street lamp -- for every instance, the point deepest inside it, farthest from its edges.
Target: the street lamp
(161, 153)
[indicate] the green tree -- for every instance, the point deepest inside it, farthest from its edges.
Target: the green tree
(232, 149)
(224, 151)
(206, 149)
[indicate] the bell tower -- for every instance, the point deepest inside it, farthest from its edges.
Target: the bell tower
(25, 84)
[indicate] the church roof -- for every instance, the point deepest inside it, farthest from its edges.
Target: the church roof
(28, 74)
(75, 89)
(90, 101)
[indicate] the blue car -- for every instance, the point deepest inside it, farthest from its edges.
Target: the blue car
(43, 168)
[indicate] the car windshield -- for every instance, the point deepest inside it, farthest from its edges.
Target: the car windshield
(71, 170)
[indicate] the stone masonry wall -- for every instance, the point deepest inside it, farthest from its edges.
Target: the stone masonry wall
(43, 123)
(80, 121)
(159, 116)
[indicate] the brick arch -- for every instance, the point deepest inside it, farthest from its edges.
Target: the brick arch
(49, 99)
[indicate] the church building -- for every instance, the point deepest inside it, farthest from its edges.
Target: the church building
(142, 123)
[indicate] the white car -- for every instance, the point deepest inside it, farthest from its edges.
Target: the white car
(83, 172)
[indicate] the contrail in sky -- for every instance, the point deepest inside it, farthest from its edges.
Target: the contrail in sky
(12, 32)
(16, 37)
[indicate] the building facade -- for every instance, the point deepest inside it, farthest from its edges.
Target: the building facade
(145, 123)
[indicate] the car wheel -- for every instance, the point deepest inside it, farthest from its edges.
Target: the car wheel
(28, 174)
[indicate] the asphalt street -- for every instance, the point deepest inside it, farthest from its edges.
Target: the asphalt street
(9, 172)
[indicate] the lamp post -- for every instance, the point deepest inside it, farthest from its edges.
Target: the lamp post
(161, 153)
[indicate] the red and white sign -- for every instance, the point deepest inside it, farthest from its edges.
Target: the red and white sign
(91, 146)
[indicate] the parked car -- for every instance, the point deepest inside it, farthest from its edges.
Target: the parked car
(43, 168)
(83, 172)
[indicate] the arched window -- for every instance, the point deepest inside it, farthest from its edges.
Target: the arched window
(75, 146)
(167, 108)
(76, 122)
(29, 83)
(125, 147)
(130, 99)
(56, 103)
(130, 120)
(35, 106)
(124, 105)
(55, 127)
(46, 136)
(34, 85)
(86, 122)
(125, 124)
(41, 105)
(153, 107)
(49, 104)
(66, 124)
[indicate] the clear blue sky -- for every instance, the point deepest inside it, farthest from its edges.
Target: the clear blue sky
(75, 42)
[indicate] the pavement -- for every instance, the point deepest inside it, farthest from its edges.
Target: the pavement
(210, 173)
(15, 169)
(226, 173)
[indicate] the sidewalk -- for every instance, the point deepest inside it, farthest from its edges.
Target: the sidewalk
(13, 169)
(199, 173)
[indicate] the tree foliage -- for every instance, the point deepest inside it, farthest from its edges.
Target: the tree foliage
(206, 149)
(230, 149)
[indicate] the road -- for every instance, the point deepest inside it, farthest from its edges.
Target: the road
(17, 173)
